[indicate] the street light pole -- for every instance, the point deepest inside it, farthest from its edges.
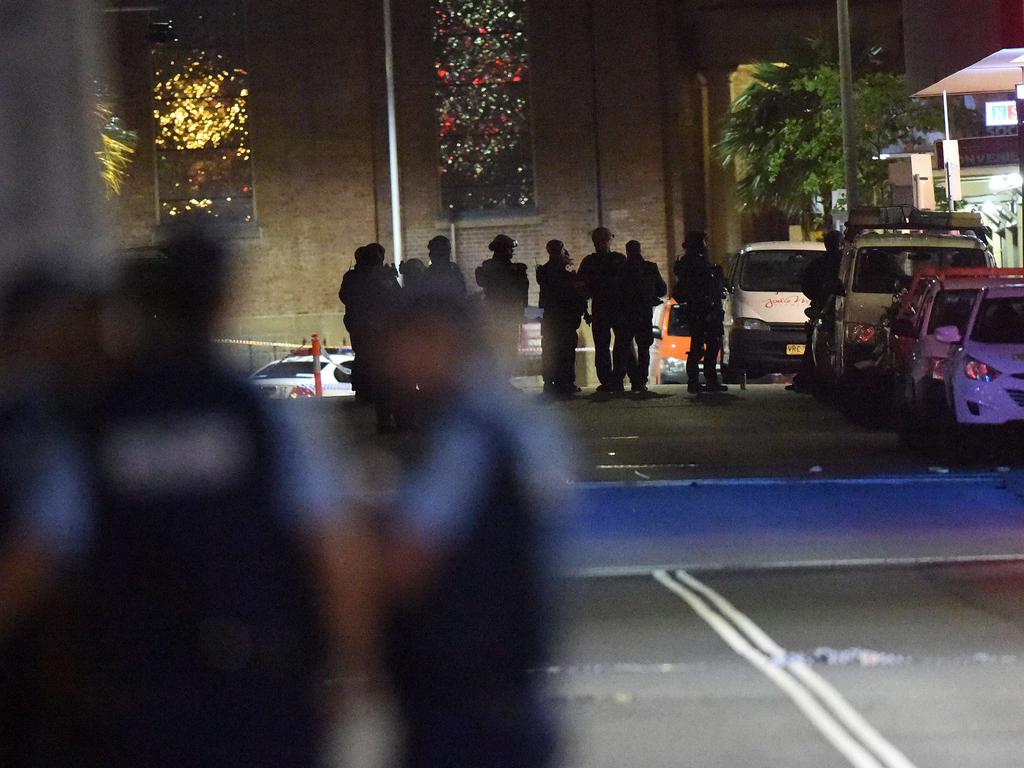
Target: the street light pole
(846, 96)
(396, 197)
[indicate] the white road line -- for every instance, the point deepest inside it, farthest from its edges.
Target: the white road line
(840, 707)
(820, 718)
(853, 563)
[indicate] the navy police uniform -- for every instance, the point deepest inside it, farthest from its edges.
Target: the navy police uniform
(463, 651)
(563, 302)
(193, 634)
(601, 273)
(700, 290)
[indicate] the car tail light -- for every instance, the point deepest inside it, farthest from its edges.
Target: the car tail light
(936, 368)
(300, 391)
(979, 371)
(861, 333)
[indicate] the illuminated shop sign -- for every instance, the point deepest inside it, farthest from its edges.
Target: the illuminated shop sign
(1000, 113)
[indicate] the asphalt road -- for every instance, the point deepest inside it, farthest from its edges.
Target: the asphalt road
(760, 431)
(929, 662)
(844, 602)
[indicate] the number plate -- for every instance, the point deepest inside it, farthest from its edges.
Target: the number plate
(795, 349)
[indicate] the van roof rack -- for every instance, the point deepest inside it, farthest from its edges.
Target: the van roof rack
(907, 217)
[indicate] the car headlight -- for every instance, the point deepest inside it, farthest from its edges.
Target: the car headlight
(672, 364)
(861, 333)
(752, 324)
(979, 371)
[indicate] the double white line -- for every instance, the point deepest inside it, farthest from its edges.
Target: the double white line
(853, 736)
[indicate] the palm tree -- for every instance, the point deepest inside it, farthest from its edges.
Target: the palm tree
(784, 131)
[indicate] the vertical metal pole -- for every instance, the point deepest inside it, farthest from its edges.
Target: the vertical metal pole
(949, 181)
(847, 99)
(945, 112)
(1018, 257)
(596, 114)
(396, 197)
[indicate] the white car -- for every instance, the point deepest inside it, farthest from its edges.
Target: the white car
(292, 376)
(985, 377)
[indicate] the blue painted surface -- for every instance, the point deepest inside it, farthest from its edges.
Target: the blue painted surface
(608, 511)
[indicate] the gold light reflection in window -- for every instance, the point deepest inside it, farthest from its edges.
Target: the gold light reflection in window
(201, 106)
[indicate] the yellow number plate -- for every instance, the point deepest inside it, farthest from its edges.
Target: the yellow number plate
(795, 349)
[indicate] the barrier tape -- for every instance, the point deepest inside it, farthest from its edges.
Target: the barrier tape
(254, 343)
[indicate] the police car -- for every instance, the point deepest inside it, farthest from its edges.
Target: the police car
(985, 377)
(292, 376)
(937, 298)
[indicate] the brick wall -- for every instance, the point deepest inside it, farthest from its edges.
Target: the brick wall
(320, 145)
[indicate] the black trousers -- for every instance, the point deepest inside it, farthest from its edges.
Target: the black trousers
(705, 346)
(638, 360)
(805, 377)
(609, 361)
(558, 351)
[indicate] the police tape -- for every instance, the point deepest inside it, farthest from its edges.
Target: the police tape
(255, 343)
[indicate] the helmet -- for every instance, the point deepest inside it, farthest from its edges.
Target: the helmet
(502, 241)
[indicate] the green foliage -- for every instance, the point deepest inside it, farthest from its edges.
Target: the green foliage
(785, 129)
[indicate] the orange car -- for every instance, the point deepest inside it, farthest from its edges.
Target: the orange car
(671, 345)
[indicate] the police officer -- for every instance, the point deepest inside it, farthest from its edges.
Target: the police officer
(818, 283)
(506, 290)
(369, 291)
(467, 559)
(563, 300)
(412, 272)
(601, 273)
(182, 542)
(443, 276)
(642, 290)
(700, 290)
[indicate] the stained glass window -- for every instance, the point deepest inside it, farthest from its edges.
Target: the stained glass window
(201, 110)
(482, 68)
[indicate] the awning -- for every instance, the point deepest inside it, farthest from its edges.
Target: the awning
(1000, 72)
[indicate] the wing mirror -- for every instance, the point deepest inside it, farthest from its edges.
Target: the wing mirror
(656, 332)
(948, 334)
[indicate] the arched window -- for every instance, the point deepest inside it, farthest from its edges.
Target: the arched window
(482, 69)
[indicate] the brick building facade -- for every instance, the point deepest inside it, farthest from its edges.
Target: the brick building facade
(625, 98)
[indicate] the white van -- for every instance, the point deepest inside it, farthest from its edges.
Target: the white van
(764, 309)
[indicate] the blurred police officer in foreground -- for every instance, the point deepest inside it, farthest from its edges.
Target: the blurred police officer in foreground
(197, 557)
(563, 300)
(700, 290)
(601, 273)
(506, 289)
(467, 558)
(642, 290)
(47, 327)
(818, 283)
